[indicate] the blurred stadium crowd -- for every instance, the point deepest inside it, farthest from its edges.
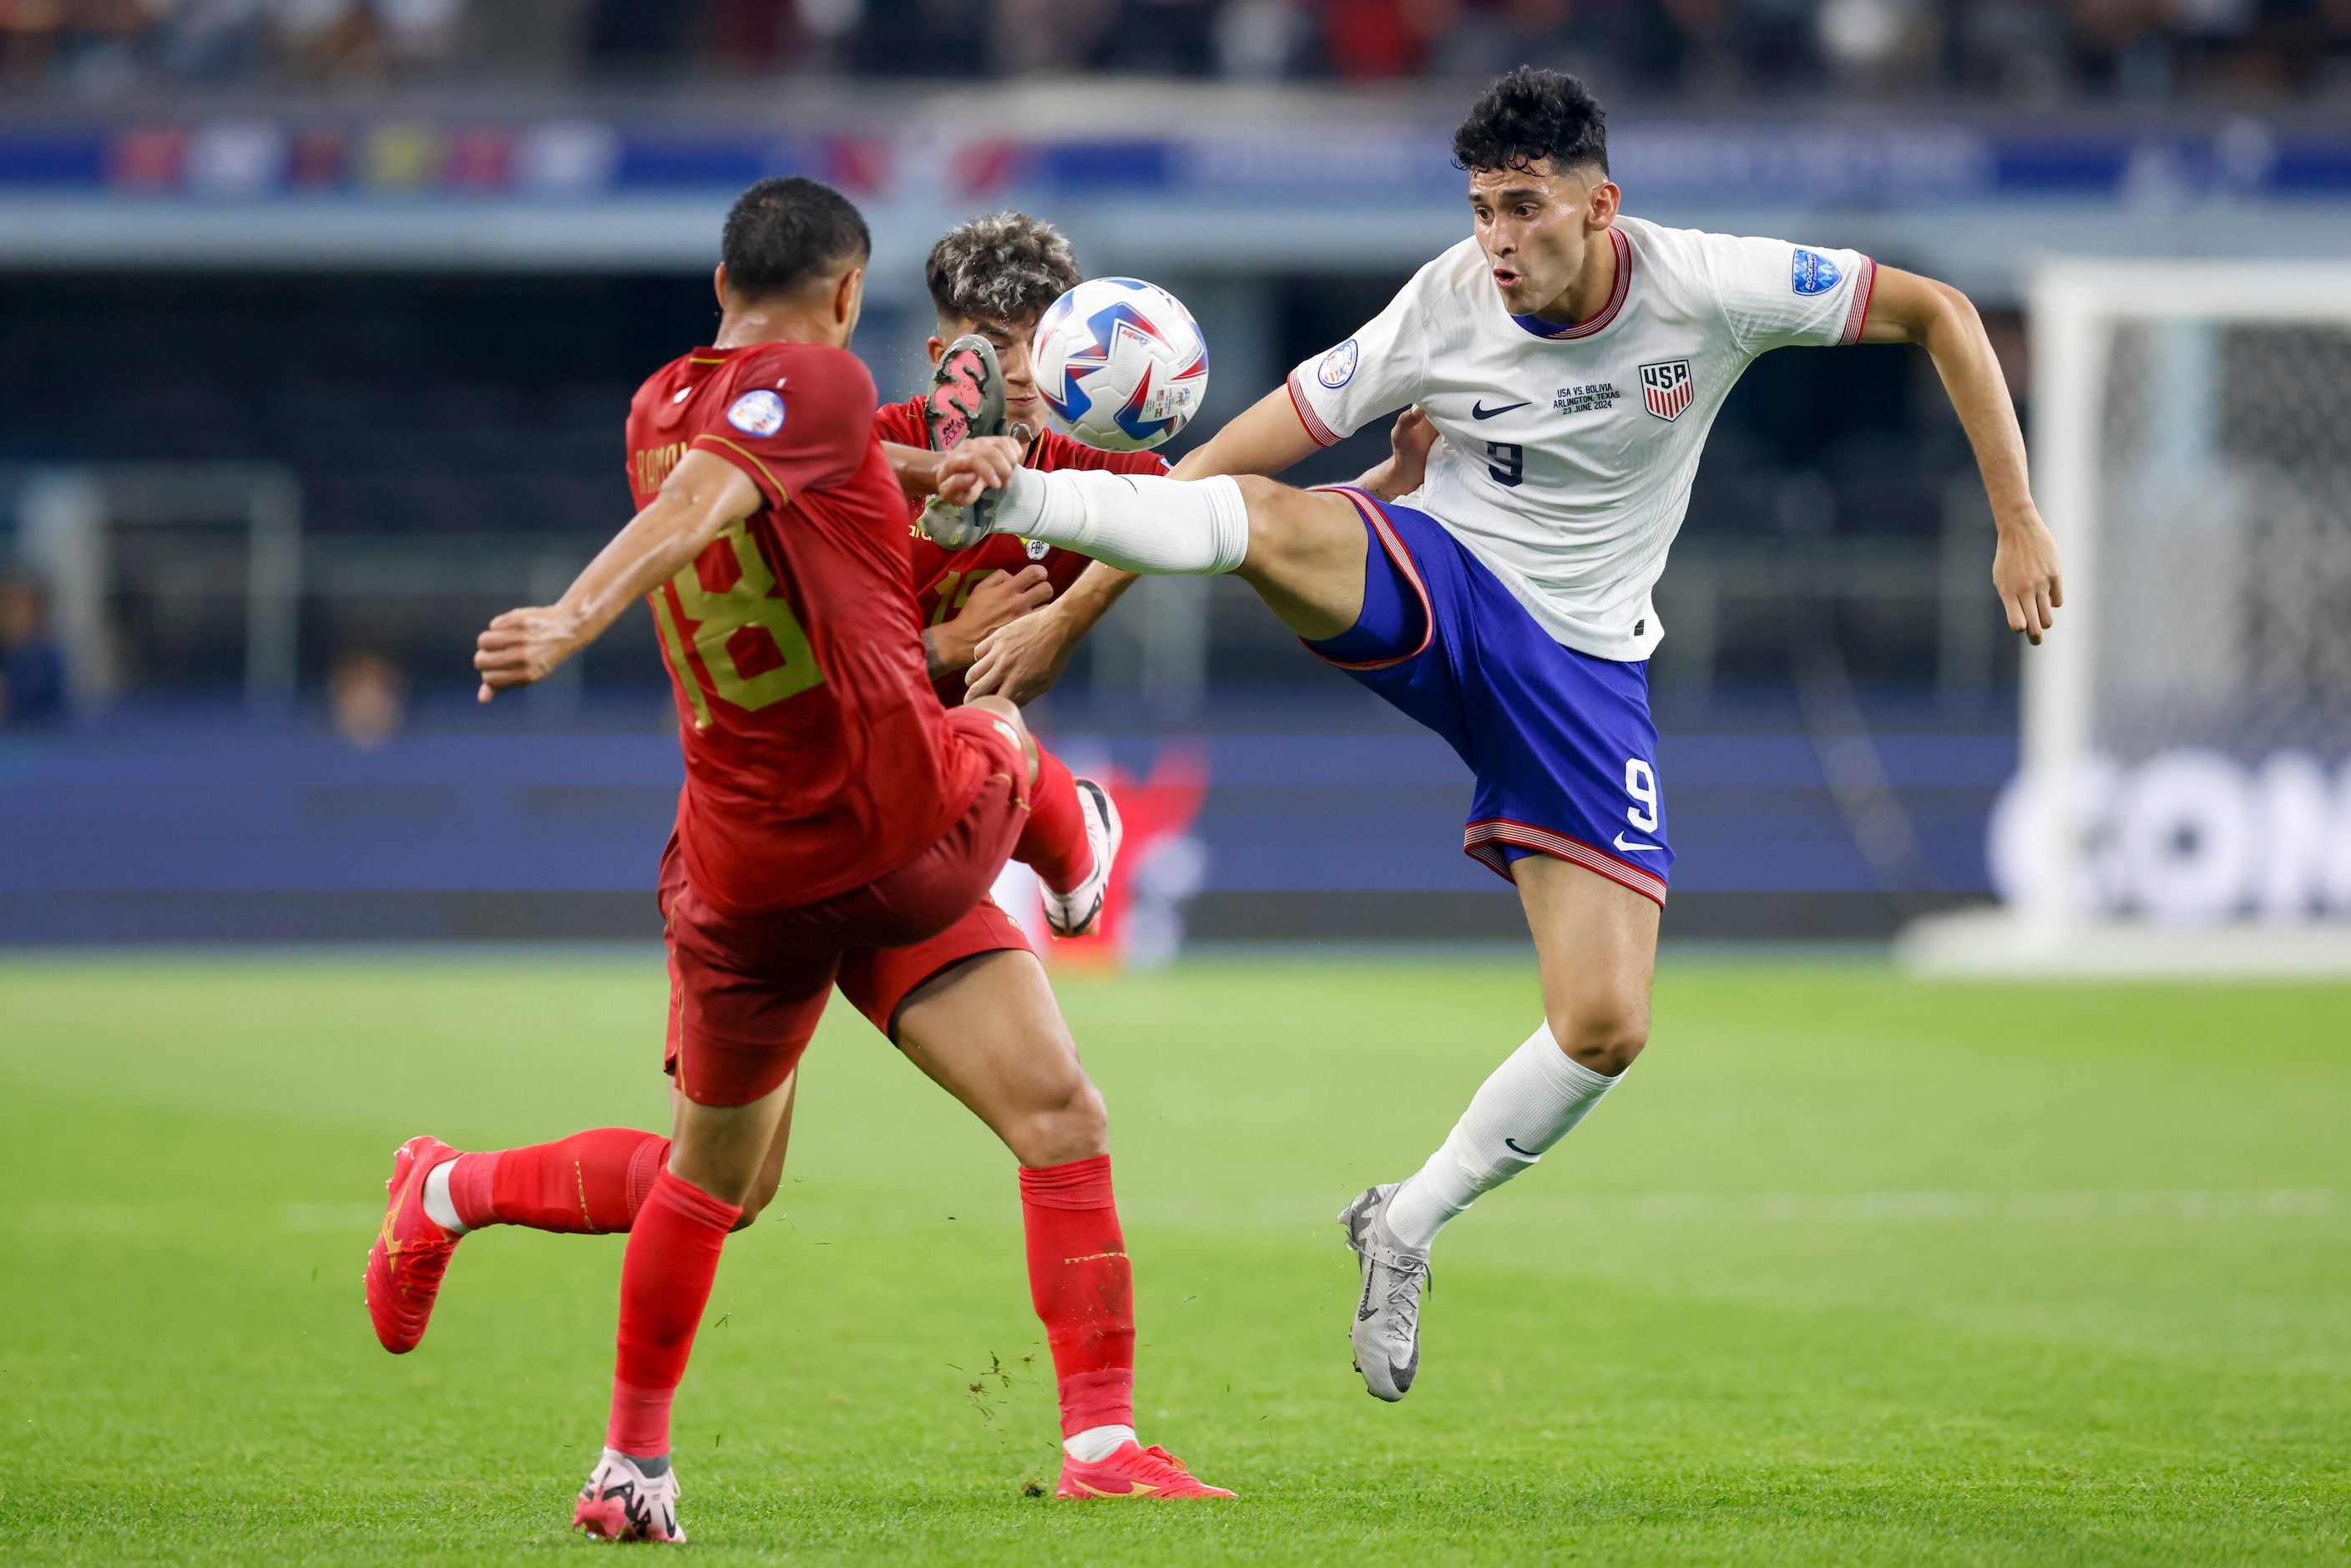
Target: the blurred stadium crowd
(2030, 52)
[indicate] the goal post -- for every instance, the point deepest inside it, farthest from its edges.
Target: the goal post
(2183, 801)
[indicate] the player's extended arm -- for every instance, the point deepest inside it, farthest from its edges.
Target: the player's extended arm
(1023, 659)
(998, 598)
(1265, 438)
(1909, 309)
(701, 498)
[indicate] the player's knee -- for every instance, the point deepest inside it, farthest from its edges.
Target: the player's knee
(1002, 708)
(1006, 711)
(756, 1201)
(1605, 1036)
(1070, 1122)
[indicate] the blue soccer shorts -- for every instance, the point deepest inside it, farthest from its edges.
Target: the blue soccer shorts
(1561, 744)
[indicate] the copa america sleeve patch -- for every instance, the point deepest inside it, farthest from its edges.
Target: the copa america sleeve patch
(756, 413)
(1813, 273)
(1338, 366)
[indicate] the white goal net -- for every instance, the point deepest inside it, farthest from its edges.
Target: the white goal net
(2185, 795)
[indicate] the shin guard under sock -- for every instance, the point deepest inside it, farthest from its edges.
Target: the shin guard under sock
(1136, 522)
(1053, 844)
(1534, 1099)
(1083, 1290)
(590, 1183)
(666, 1282)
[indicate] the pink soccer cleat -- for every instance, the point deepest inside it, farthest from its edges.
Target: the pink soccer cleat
(411, 1253)
(1132, 1470)
(621, 1502)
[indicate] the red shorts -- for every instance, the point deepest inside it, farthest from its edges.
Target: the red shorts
(745, 990)
(877, 980)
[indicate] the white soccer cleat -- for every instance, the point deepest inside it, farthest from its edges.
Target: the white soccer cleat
(1079, 912)
(1386, 1331)
(621, 1502)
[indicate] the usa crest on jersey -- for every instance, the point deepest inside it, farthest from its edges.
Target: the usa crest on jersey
(1665, 387)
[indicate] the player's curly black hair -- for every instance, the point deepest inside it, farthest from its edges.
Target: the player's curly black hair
(1529, 115)
(1007, 266)
(781, 232)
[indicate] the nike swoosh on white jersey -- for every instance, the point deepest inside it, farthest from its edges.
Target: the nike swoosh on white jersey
(1623, 845)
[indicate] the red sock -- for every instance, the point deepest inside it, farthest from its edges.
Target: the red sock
(590, 1183)
(1053, 844)
(666, 1278)
(1083, 1289)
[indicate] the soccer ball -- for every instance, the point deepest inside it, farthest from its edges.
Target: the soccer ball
(1120, 363)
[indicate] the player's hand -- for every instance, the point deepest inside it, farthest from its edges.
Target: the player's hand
(1022, 659)
(1409, 440)
(522, 646)
(999, 597)
(983, 463)
(2024, 572)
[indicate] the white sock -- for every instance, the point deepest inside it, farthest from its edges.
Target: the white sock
(439, 1208)
(1136, 522)
(1532, 1102)
(1095, 1444)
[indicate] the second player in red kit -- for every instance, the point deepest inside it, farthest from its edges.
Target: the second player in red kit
(992, 278)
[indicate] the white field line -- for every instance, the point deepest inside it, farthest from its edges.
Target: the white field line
(2079, 1207)
(2089, 1206)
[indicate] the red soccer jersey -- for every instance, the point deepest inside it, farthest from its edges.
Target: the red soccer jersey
(943, 578)
(816, 752)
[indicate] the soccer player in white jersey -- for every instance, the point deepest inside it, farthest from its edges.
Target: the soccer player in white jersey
(1570, 358)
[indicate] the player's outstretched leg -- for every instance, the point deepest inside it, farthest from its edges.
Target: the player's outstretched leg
(989, 1032)
(1596, 943)
(591, 1182)
(1303, 550)
(1136, 522)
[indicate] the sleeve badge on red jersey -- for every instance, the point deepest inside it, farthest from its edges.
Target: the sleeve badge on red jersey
(759, 412)
(1037, 548)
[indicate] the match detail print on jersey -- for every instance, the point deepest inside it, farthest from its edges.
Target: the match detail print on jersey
(741, 632)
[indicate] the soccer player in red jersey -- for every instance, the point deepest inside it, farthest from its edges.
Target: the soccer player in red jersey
(832, 806)
(993, 277)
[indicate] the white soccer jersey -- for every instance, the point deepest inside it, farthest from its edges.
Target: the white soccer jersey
(1568, 452)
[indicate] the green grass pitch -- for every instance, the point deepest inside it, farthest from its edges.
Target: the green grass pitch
(1852, 1270)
